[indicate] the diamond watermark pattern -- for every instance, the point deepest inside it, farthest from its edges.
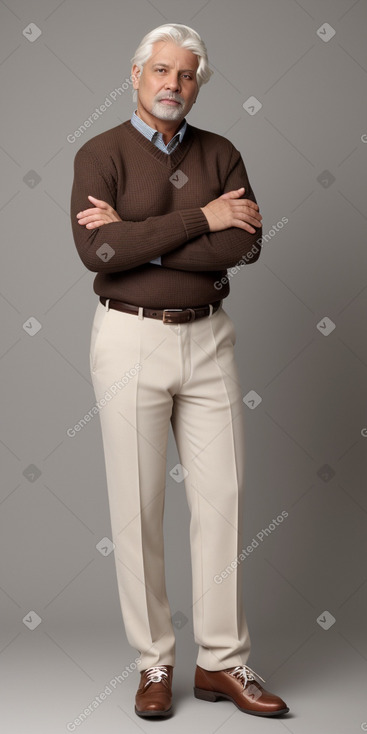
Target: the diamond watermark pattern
(252, 105)
(178, 179)
(32, 179)
(105, 252)
(32, 32)
(326, 620)
(179, 620)
(32, 473)
(32, 326)
(178, 473)
(326, 473)
(32, 620)
(105, 546)
(325, 178)
(252, 399)
(326, 32)
(325, 326)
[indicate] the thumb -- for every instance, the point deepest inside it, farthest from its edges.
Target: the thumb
(234, 194)
(98, 202)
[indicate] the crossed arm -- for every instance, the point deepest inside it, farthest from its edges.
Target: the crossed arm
(212, 237)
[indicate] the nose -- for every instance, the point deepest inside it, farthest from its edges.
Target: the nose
(173, 83)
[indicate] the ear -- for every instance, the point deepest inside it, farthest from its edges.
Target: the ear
(135, 74)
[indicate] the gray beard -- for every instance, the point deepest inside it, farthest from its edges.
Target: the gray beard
(165, 112)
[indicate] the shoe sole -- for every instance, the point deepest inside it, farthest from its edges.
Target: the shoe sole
(215, 696)
(148, 713)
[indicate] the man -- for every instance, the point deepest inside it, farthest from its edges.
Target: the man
(172, 209)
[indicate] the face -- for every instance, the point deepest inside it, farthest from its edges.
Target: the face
(167, 84)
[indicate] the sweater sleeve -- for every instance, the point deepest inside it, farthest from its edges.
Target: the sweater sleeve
(223, 249)
(118, 246)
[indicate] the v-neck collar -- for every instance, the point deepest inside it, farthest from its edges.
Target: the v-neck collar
(170, 160)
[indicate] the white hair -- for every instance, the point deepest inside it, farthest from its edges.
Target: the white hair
(183, 36)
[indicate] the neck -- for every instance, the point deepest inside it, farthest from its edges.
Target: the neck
(168, 128)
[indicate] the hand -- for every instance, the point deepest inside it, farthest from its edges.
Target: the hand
(229, 210)
(101, 214)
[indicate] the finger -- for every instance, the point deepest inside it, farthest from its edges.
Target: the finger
(249, 219)
(88, 212)
(94, 219)
(246, 202)
(99, 202)
(233, 194)
(244, 225)
(94, 225)
(94, 214)
(250, 214)
(239, 208)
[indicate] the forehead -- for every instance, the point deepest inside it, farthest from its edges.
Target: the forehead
(169, 53)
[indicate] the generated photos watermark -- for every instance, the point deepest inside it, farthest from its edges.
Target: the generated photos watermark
(218, 284)
(261, 535)
(109, 394)
(97, 700)
(99, 111)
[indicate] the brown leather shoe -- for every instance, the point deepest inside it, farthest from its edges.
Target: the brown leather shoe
(154, 695)
(238, 684)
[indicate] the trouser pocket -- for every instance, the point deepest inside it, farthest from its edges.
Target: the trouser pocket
(99, 318)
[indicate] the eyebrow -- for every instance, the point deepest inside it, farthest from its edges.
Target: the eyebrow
(167, 67)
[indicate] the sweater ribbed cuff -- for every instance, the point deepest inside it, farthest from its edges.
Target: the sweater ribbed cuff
(195, 222)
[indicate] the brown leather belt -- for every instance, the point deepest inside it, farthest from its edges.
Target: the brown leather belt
(168, 315)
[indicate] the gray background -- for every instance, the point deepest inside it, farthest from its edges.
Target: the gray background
(305, 151)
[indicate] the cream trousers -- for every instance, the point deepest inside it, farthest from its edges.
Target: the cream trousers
(147, 374)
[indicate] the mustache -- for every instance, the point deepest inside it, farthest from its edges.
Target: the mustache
(170, 96)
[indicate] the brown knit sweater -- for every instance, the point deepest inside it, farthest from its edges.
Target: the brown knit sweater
(161, 215)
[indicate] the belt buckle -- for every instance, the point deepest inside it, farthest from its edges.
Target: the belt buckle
(169, 309)
(192, 312)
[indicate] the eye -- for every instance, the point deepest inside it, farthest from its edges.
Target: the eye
(160, 69)
(188, 76)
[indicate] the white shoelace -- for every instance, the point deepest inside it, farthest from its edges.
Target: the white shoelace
(244, 673)
(156, 674)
